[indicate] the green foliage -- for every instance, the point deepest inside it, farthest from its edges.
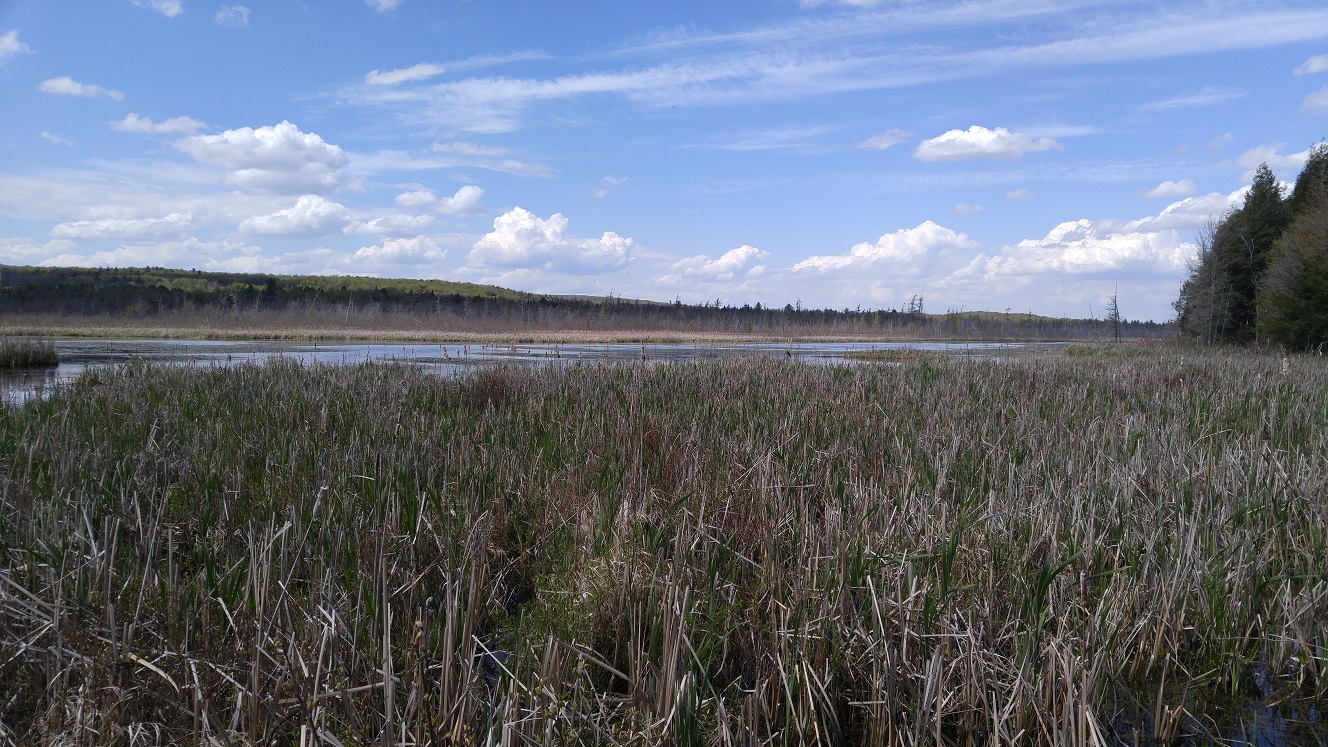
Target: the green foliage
(1293, 299)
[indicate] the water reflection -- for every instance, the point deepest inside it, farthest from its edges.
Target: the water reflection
(76, 356)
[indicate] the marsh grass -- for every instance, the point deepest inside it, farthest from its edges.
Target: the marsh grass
(25, 353)
(733, 552)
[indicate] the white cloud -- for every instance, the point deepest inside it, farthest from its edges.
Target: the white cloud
(465, 201)
(25, 251)
(66, 86)
(469, 149)
(311, 215)
(522, 239)
(10, 45)
(394, 224)
(175, 224)
(885, 139)
(168, 8)
(1315, 64)
(1020, 194)
(278, 158)
(422, 71)
(980, 142)
(734, 263)
(1221, 141)
(966, 209)
(1170, 189)
(785, 139)
(1188, 214)
(423, 198)
(382, 6)
(232, 15)
(616, 181)
(1317, 102)
(190, 252)
(1208, 96)
(906, 250)
(1083, 247)
(1274, 157)
(173, 126)
(56, 138)
(404, 250)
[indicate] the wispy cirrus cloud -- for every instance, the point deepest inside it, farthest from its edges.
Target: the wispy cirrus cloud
(844, 55)
(1207, 96)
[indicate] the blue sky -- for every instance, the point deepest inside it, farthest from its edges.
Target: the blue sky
(1032, 155)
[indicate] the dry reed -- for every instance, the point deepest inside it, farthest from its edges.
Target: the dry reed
(1052, 550)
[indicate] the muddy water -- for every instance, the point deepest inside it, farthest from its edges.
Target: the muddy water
(76, 356)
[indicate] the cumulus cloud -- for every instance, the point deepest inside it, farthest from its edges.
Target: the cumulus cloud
(311, 215)
(10, 45)
(1274, 157)
(232, 15)
(1083, 247)
(1172, 190)
(382, 6)
(278, 158)
(980, 142)
(885, 139)
(422, 71)
(421, 198)
(1315, 64)
(740, 262)
(420, 248)
(67, 86)
(52, 137)
(175, 224)
(1188, 214)
(1317, 102)
(523, 239)
(168, 8)
(465, 201)
(908, 249)
(173, 126)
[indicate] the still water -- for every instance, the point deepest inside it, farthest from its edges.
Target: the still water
(76, 356)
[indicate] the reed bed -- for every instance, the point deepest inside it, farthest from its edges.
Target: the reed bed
(1062, 550)
(25, 353)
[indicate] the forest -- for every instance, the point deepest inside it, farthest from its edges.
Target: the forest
(48, 296)
(1261, 274)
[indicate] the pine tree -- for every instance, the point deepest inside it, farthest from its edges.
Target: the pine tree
(1242, 244)
(1312, 184)
(1293, 293)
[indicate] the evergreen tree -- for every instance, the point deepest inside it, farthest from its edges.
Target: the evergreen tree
(1312, 184)
(1242, 244)
(1293, 298)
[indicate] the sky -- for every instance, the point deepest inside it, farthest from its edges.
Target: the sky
(1023, 155)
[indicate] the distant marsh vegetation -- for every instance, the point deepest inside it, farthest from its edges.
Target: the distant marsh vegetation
(930, 553)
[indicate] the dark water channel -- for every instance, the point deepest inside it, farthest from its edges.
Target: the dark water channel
(76, 356)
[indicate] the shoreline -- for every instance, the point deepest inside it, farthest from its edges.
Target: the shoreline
(568, 336)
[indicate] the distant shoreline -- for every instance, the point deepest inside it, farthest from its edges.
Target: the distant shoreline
(107, 329)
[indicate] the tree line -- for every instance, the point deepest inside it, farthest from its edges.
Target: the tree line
(1261, 273)
(158, 295)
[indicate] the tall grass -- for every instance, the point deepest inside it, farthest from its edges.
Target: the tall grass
(741, 552)
(24, 353)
